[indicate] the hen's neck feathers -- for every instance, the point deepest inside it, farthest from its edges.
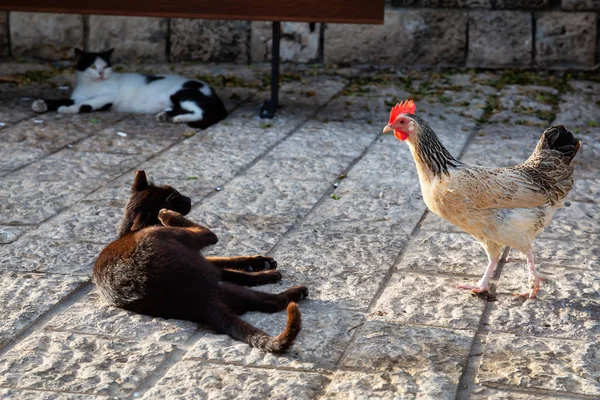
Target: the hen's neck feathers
(429, 152)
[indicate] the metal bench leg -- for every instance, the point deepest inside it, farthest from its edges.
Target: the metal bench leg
(268, 108)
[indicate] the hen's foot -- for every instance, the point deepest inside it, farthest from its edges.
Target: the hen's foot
(475, 288)
(534, 288)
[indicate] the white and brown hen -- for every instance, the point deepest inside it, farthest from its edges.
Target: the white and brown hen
(499, 206)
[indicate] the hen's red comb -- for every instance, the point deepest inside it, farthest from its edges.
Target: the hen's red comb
(404, 107)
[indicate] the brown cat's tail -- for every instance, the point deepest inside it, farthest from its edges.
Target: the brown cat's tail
(240, 330)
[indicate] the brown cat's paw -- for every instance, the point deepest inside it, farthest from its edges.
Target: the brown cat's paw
(261, 263)
(166, 216)
(273, 276)
(296, 293)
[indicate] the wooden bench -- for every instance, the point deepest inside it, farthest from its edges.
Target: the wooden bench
(334, 11)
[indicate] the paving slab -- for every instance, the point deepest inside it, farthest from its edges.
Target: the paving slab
(79, 363)
(25, 297)
(33, 254)
(342, 268)
(317, 347)
(197, 379)
(91, 315)
(428, 300)
(90, 222)
(567, 366)
(432, 358)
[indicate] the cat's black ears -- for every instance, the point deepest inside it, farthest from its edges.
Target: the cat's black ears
(107, 54)
(140, 182)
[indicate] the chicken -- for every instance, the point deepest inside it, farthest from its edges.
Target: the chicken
(498, 206)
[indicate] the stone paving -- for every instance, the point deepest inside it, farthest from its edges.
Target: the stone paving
(337, 204)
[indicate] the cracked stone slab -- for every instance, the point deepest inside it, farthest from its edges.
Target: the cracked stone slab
(585, 190)
(17, 155)
(9, 234)
(318, 346)
(449, 253)
(567, 305)
(382, 386)
(393, 213)
(241, 234)
(579, 110)
(432, 358)
(80, 168)
(304, 167)
(587, 160)
(96, 223)
(342, 268)
(31, 254)
(25, 297)
(334, 139)
(52, 131)
(274, 195)
(13, 110)
(574, 221)
(197, 379)
(525, 105)
(309, 91)
(585, 86)
(569, 318)
(43, 199)
(110, 140)
(544, 363)
(44, 395)
(383, 170)
(80, 363)
(428, 300)
(488, 393)
(349, 108)
(559, 283)
(93, 316)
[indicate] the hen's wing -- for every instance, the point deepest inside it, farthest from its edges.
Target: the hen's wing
(545, 178)
(498, 188)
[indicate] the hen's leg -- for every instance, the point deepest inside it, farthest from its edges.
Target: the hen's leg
(493, 252)
(534, 279)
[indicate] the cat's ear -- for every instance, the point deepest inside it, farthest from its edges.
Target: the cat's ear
(140, 182)
(107, 54)
(138, 223)
(78, 52)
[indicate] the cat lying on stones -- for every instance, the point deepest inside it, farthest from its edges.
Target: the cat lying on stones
(155, 268)
(172, 98)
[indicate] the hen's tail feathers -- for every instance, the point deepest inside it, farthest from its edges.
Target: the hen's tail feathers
(559, 138)
(238, 329)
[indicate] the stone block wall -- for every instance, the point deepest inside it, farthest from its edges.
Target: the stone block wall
(539, 34)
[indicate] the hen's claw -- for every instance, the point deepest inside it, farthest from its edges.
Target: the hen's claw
(475, 288)
(533, 289)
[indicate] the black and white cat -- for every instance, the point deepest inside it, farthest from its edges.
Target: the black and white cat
(173, 98)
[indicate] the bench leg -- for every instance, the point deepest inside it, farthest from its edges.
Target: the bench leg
(268, 108)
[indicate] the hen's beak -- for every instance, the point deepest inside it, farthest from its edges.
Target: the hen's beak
(387, 129)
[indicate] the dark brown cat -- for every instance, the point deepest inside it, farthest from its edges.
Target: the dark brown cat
(156, 268)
